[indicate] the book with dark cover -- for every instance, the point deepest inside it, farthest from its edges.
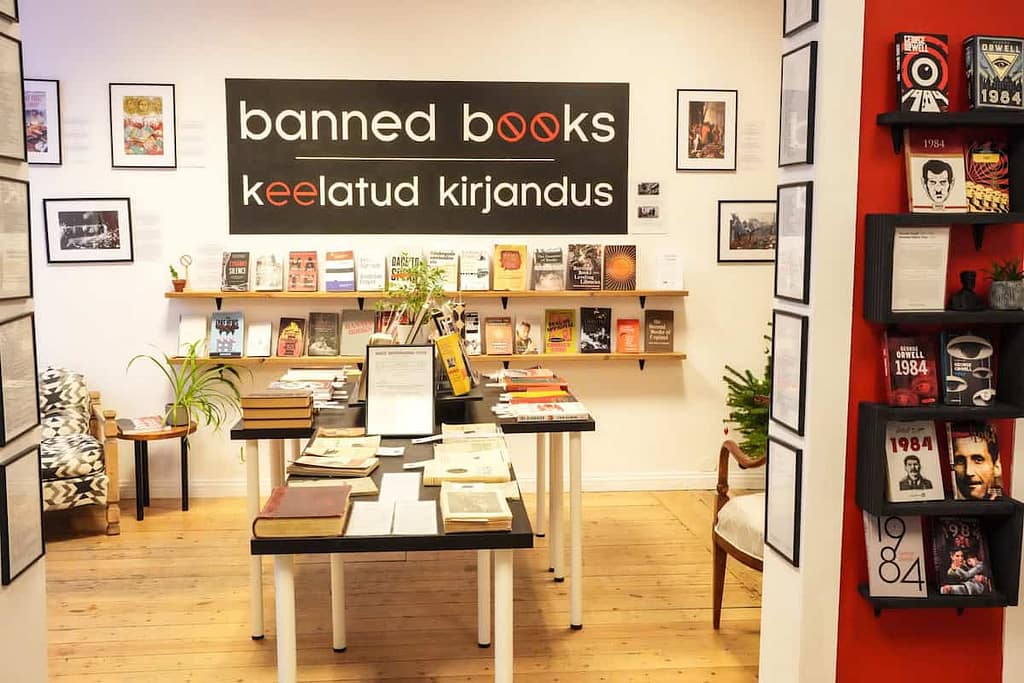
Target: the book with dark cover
(297, 512)
(968, 369)
(909, 364)
(628, 335)
(498, 335)
(226, 335)
(234, 276)
(583, 269)
(977, 470)
(471, 333)
(922, 71)
(291, 337)
(559, 331)
(356, 328)
(988, 176)
(548, 269)
(960, 556)
(995, 72)
(595, 330)
(340, 271)
(324, 337)
(620, 267)
(659, 331)
(302, 271)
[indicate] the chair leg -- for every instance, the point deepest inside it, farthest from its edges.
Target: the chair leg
(718, 585)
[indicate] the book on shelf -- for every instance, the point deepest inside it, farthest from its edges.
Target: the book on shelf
(469, 507)
(529, 337)
(324, 335)
(668, 270)
(583, 267)
(277, 398)
(447, 260)
(303, 273)
(995, 72)
(922, 71)
(143, 425)
(192, 329)
(595, 330)
(560, 411)
(291, 337)
(234, 275)
(269, 273)
(361, 486)
(895, 554)
(620, 267)
(975, 466)
(258, 339)
(498, 335)
(331, 466)
(370, 272)
(471, 333)
(919, 259)
(960, 556)
(627, 335)
(399, 266)
(548, 269)
(279, 423)
(513, 384)
(914, 467)
(277, 413)
(474, 270)
(909, 366)
(968, 367)
(988, 176)
(559, 330)
(449, 351)
(510, 267)
(339, 271)
(936, 174)
(298, 512)
(659, 331)
(553, 393)
(356, 328)
(227, 333)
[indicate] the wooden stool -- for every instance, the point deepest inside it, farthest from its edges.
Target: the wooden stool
(141, 440)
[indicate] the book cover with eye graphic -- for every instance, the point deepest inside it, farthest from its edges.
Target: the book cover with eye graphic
(968, 369)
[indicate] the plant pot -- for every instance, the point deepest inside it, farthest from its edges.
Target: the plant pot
(179, 285)
(178, 417)
(1006, 295)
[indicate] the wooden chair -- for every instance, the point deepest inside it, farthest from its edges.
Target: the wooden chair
(738, 525)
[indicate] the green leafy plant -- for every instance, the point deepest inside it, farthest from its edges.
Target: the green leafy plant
(203, 390)
(174, 273)
(1006, 271)
(420, 293)
(748, 402)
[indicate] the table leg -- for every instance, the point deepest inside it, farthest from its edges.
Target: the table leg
(184, 473)
(284, 599)
(542, 484)
(483, 598)
(576, 530)
(140, 499)
(556, 544)
(252, 494)
(503, 613)
(338, 601)
(145, 473)
(277, 462)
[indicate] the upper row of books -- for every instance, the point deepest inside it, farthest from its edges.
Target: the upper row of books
(967, 365)
(589, 267)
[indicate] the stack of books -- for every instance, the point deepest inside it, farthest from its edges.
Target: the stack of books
(324, 456)
(303, 512)
(486, 466)
(278, 409)
(468, 507)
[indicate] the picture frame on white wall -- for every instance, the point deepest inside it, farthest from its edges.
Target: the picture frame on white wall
(706, 130)
(21, 514)
(796, 105)
(12, 100)
(798, 15)
(793, 241)
(783, 484)
(42, 121)
(143, 131)
(787, 402)
(9, 10)
(19, 382)
(15, 236)
(88, 230)
(746, 231)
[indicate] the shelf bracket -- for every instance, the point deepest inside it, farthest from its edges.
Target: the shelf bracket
(978, 232)
(641, 361)
(959, 611)
(504, 305)
(360, 366)
(643, 302)
(218, 301)
(897, 137)
(878, 612)
(504, 364)
(359, 300)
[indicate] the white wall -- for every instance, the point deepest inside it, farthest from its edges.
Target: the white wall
(657, 429)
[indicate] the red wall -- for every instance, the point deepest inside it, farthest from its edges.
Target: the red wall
(921, 644)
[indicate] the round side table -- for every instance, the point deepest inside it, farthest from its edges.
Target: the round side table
(141, 441)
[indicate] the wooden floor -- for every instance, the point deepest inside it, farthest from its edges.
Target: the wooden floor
(167, 601)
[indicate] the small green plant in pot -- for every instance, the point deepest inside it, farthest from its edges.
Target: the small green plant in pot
(1007, 290)
(748, 406)
(411, 302)
(177, 282)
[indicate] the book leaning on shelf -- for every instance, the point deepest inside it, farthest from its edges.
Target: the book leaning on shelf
(301, 512)
(960, 556)
(977, 471)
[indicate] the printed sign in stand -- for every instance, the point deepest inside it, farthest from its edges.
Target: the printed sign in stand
(400, 390)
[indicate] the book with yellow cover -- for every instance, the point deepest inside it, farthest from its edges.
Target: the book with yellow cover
(487, 466)
(510, 267)
(449, 348)
(559, 331)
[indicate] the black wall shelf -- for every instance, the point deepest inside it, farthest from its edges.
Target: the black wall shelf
(936, 600)
(998, 410)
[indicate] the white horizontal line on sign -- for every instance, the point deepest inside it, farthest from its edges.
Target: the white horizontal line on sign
(327, 158)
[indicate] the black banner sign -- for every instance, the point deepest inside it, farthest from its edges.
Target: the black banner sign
(423, 157)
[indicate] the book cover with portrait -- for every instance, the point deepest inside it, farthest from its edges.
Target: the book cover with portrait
(936, 174)
(975, 465)
(960, 556)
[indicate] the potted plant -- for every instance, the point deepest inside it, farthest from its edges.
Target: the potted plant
(199, 390)
(1007, 290)
(748, 402)
(179, 283)
(411, 302)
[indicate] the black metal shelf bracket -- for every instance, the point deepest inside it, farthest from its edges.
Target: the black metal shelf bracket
(641, 361)
(360, 300)
(643, 301)
(504, 305)
(897, 137)
(978, 231)
(504, 364)
(218, 301)
(878, 612)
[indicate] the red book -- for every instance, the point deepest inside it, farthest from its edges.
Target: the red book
(910, 370)
(303, 511)
(628, 333)
(302, 271)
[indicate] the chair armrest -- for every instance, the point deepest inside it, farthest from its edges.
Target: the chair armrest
(102, 423)
(730, 448)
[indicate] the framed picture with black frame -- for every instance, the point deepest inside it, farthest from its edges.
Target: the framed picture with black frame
(88, 230)
(783, 484)
(143, 130)
(19, 383)
(793, 241)
(42, 121)
(746, 231)
(12, 100)
(798, 15)
(9, 9)
(787, 404)
(706, 130)
(796, 105)
(400, 389)
(15, 236)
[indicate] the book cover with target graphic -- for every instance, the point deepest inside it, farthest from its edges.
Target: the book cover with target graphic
(922, 71)
(988, 177)
(995, 72)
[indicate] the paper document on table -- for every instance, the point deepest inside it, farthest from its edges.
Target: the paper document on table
(400, 486)
(358, 446)
(370, 518)
(415, 518)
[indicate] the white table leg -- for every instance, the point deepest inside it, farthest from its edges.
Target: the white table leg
(294, 448)
(575, 530)
(503, 616)
(284, 599)
(542, 484)
(338, 601)
(276, 462)
(556, 544)
(252, 494)
(483, 598)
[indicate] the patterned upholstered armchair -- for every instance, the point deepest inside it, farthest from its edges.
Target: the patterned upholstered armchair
(78, 446)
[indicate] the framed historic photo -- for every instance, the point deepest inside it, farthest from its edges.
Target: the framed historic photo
(143, 133)
(796, 119)
(88, 230)
(42, 121)
(789, 370)
(9, 9)
(19, 385)
(746, 231)
(12, 105)
(706, 130)
(16, 253)
(793, 242)
(798, 15)
(783, 483)
(21, 513)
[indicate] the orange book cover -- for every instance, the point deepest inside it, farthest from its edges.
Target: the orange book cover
(628, 334)
(302, 271)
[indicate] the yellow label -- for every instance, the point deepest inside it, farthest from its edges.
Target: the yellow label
(985, 158)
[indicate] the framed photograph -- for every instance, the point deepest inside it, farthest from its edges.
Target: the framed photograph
(21, 514)
(798, 15)
(88, 230)
(793, 242)
(142, 125)
(783, 481)
(12, 104)
(746, 231)
(400, 390)
(796, 120)
(19, 384)
(9, 9)
(42, 121)
(706, 130)
(16, 254)
(789, 370)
